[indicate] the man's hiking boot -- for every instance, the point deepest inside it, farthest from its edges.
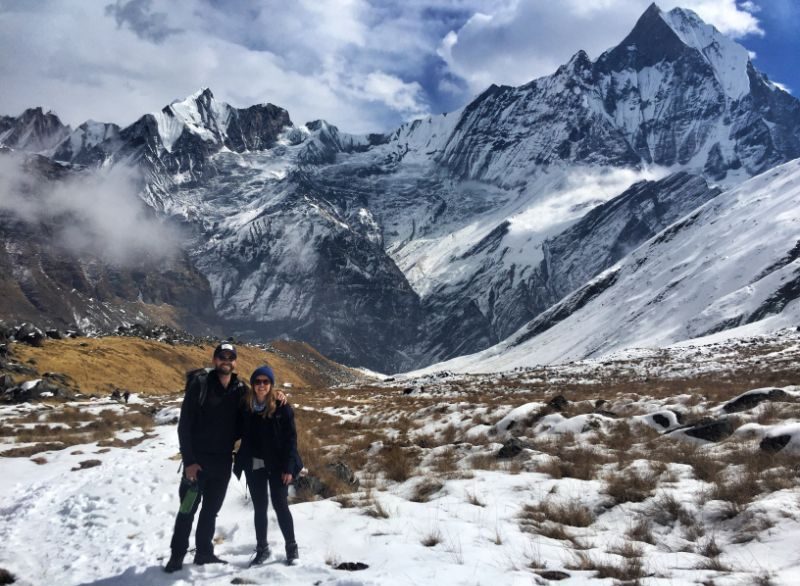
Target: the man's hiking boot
(262, 554)
(200, 559)
(291, 553)
(175, 563)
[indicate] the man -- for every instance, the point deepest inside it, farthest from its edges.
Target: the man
(207, 431)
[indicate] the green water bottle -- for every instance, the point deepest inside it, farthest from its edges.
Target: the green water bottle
(190, 498)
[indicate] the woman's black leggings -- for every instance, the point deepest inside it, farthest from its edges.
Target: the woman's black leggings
(257, 481)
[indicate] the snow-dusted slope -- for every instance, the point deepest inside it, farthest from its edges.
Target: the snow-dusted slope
(732, 263)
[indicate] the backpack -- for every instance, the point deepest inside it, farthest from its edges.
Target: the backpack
(201, 375)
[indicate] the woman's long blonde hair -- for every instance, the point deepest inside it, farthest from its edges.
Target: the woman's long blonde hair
(250, 401)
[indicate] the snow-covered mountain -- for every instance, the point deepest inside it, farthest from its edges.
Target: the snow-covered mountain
(732, 265)
(448, 234)
(32, 131)
(675, 93)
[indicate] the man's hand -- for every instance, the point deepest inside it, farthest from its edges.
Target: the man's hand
(192, 471)
(286, 478)
(280, 398)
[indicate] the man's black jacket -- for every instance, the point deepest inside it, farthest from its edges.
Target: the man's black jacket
(207, 432)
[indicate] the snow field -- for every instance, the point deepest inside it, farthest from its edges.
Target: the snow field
(597, 489)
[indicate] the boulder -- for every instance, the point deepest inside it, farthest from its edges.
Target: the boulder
(313, 485)
(661, 420)
(510, 448)
(751, 399)
(558, 403)
(774, 443)
(55, 334)
(6, 577)
(86, 464)
(29, 334)
(552, 574)
(344, 473)
(710, 430)
(352, 566)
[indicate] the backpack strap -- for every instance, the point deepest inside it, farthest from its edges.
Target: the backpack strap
(203, 378)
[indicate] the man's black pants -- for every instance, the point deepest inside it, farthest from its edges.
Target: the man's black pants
(213, 489)
(257, 481)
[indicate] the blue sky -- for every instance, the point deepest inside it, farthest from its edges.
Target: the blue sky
(364, 65)
(778, 50)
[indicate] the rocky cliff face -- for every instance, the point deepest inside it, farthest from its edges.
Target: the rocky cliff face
(446, 235)
(43, 281)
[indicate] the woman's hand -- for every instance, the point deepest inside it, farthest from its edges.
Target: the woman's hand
(286, 478)
(280, 398)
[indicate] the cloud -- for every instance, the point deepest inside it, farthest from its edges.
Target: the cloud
(526, 39)
(781, 86)
(137, 16)
(98, 213)
(391, 90)
(363, 65)
(343, 61)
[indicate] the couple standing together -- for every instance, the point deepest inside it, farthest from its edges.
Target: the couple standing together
(218, 409)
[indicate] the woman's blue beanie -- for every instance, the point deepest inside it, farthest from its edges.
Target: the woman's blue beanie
(263, 371)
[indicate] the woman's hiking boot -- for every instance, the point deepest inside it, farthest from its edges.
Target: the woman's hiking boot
(262, 554)
(291, 553)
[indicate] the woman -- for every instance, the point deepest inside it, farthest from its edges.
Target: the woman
(268, 455)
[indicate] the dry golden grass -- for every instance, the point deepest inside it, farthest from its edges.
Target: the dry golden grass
(425, 489)
(666, 510)
(580, 462)
(373, 507)
(26, 451)
(432, 538)
(705, 465)
(631, 485)
(627, 549)
(628, 570)
(100, 365)
(570, 513)
(483, 461)
(474, 499)
(641, 530)
(396, 462)
(736, 489)
(445, 462)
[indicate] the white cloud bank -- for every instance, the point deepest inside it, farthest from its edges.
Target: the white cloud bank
(364, 65)
(97, 213)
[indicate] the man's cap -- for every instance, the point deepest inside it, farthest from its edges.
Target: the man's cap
(225, 347)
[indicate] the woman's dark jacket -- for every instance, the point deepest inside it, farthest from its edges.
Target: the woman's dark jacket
(272, 439)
